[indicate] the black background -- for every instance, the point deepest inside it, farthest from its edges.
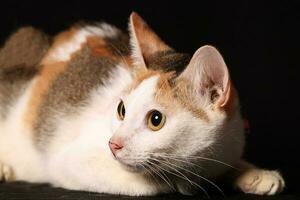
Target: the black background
(259, 41)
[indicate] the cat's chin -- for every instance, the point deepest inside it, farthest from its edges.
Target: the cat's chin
(131, 167)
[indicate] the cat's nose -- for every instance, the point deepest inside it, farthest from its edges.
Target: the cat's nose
(115, 145)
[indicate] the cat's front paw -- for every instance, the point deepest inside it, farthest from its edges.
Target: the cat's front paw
(261, 182)
(6, 172)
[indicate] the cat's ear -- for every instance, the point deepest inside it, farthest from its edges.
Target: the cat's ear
(144, 42)
(209, 76)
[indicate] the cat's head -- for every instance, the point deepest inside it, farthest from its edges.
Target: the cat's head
(172, 119)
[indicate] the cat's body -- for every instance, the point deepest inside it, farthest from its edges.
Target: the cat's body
(61, 123)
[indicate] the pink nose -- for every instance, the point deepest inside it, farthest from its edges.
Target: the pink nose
(115, 146)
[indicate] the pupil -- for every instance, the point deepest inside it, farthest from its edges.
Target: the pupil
(123, 110)
(156, 118)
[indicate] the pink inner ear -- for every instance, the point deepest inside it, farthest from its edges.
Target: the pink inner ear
(214, 66)
(214, 73)
(208, 72)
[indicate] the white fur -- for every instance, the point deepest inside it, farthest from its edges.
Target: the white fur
(81, 145)
(14, 133)
(79, 157)
(259, 181)
(16, 145)
(183, 131)
(64, 51)
(103, 30)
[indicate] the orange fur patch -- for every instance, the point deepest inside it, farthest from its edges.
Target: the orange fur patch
(140, 76)
(42, 85)
(50, 70)
(100, 48)
(171, 96)
(168, 95)
(164, 92)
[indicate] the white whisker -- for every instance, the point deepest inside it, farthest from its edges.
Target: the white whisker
(150, 172)
(181, 160)
(189, 171)
(160, 175)
(180, 175)
(199, 157)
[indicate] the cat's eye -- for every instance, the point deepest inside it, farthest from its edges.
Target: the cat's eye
(156, 120)
(121, 110)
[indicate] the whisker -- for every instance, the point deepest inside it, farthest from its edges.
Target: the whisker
(181, 160)
(150, 172)
(199, 157)
(165, 175)
(181, 175)
(209, 181)
(160, 175)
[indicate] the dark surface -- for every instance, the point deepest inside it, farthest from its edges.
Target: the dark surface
(37, 192)
(260, 44)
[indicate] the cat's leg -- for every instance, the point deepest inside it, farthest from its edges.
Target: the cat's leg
(6, 172)
(254, 180)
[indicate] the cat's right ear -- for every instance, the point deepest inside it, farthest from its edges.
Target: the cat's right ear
(144, 41)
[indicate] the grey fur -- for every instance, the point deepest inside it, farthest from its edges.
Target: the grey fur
(168, 61)
(19, 62)
(70, 91)
(119, 45)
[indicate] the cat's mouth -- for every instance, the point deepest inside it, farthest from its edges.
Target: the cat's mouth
(137, 164)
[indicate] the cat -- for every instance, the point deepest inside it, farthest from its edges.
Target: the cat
(98, 110)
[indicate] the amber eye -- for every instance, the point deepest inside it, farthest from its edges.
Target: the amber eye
(121, 110)
(156, 120)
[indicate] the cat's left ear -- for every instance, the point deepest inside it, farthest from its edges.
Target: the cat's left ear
(209, 76)
(144, 42)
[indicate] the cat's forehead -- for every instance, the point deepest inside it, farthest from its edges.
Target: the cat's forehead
(160, 89)
(146, 86)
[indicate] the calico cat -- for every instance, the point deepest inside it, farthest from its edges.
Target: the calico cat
(94, 109)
